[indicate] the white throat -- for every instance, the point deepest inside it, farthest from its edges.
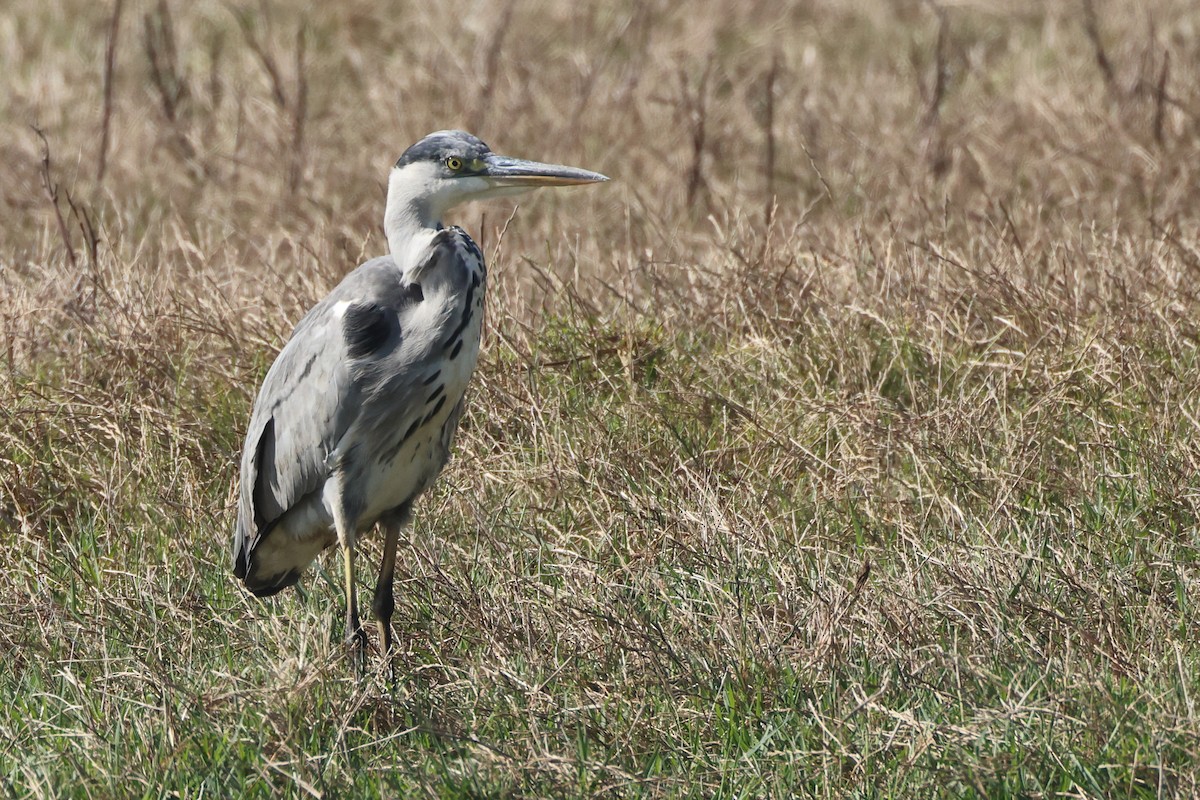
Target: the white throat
(413, 214)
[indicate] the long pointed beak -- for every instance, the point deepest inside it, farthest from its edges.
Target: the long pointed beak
(505, 171)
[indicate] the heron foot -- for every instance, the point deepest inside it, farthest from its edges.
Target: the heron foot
(356, 647)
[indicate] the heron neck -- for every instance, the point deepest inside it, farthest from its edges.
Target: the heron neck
(409, 220)
(405, 227)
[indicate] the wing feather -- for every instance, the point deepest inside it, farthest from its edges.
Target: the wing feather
(300, 414)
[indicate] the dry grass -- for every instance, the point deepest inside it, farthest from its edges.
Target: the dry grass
(846, 445)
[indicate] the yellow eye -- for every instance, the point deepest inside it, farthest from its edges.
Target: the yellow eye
(454, 163)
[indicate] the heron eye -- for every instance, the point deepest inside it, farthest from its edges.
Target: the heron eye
(454, 163)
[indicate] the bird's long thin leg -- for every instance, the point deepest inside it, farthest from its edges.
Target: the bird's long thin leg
(356, 637)
(384, 602)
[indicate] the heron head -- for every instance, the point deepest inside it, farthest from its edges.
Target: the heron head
(447, 168)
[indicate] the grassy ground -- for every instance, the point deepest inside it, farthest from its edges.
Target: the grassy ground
(845, 446)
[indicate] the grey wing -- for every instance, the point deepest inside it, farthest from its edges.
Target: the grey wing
(304, 406)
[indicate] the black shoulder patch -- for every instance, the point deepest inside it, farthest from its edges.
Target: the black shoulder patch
(411, 294)
(367, 328)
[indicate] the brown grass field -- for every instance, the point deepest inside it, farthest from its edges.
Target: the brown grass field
(846, 445)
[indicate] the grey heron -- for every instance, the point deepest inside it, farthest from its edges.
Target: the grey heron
(356, 417)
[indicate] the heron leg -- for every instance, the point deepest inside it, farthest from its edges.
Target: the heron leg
(356, 637)
(384, 602)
